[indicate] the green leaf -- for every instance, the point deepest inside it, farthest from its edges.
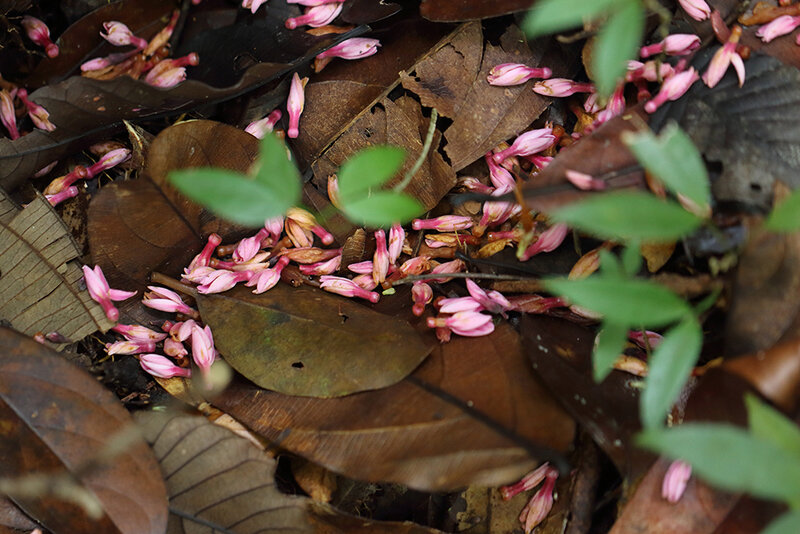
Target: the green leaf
(610, 266)
(788, 523)
(670, 365)
(383, 208)
(730, 458)
(550, 16)
(371, 167)
(629, 215)
(618, 41)
(632, 259)
(276, 172)
(231, 195)
(629, 302)
(769, 424)
(674, 160)
(785, 217)
(608, 346)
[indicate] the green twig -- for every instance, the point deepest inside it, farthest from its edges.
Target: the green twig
(421, 159)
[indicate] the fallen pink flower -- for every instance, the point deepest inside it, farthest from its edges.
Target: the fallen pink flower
(672, 89)
(646, 340)
(475, 185)
(723, 58)
(308, 222)
(507, 74)
(561, 87)
(296, 102)
(37, 113)
(540, 161)
(38, 32)
(677, 44)
(454, 266)
(222, 280)
(548, 241)
(118, 34)
(63, 182)
(316, 16)
(491, 301)
(347, 288)
(162, 367)
(675, 480)
(782, 25)
(138, 333)
(416, 265)
(312, 3)
(204, 258)
(528, 143)
(57, 198)
(183, 330)
(380, 260)
(169, 77)
(323, 267)
(458, 304)
(446, 223)
(500, 177)
(466, 323)
(697, 9)
(109, 160)
(535, 303)
(203, 351)
(275, 226)
(268, 278)
(100, 292)
(365, 281)
(130, 347)
(174, 348)
(333, 191)
(8, 115)
(421, 295)
(253, 5)
(355, 48)
(262, 127)
(584, 181)
(361, 267)
(248, 247)
(397, 237)
(528, 482)
(540, 505)
(163, 299)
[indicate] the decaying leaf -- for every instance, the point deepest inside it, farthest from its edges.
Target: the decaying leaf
(145, 225)
(774, 372)
(471, 414)
(217, 480)
(460, 10)
(327, 520)
(40, 279)
(57, 419)
(304, 341)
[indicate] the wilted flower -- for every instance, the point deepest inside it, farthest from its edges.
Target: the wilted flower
(316, 16)
(446, 223)
(39, 115)
(130, 347)
(8, 115)
(548, 241)
(268, 278)
(723, 58)
(138, 333)
(162, 367)
(675, 480)
(262, 127)
(507, 74)
(380, 261)
(528, 482)
(39, 33)
(119, 34)
(160, 298)
(56, 198)
(421, 294)
(203, 351)
(540, 505)
(98, 289)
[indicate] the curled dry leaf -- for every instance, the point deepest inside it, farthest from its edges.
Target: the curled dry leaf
(145, 225)
(304, 341)
(40, 278)
(472, 413)
(59, 420)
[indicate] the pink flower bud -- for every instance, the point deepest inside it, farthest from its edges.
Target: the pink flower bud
(380, 261)
(459, 304)
(466, 323)
(168, 78)
(697, 9)
(138, 333)
(347, 288)
(109, 160)
(673, 88)
(260, 128)
(446, 223)
(365, 281)
(454, 266)
(584, 181)
(57, 198)
(39, 33)
(222, 280)
(160, 75)
(528, 143)
(475, 185)
(561, 87)
(540, 505)
(547, 242)
(37, 113)
(535, 303)
(515, 73)
(268, 278)
(183, 330)
(323, 267)
(355, 48)
(174, 348)
(528, 482)
(397, 237)
(500, 177)
(416, 265)
(160, 298)
(253, 5)
(100, 292)
(782, 25)
(159, 366)
(249, 247)
(295, 103)
(677, 44)
(203, 351)
(421, 295)
(723, 58)
(118, 34)
(540, 161)
(492, 301)
(675, 480)
(312, 3)
(204, 258)
(8, 115)
(362, 267)
(130, 347)
(316, 16)
(275, 226)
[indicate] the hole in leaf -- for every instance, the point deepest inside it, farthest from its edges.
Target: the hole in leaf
(298, 365)
(756, 188)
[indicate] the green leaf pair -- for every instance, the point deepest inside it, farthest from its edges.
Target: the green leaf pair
(242, 199)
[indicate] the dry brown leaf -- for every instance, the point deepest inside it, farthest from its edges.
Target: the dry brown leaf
(657, 254)
(40, 279)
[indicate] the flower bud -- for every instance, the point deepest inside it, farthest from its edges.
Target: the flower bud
(118, 34)
(162, 367)
(675, 481)
(507, 74)
(355, 48)
(347, 288)
(39, 33)
(261, 127)
(446, 223)
(677, 44)
(296, 102)
(37, 113)
(528, 143)
(316, 17)
(697, 9)
(561, 87)
(673, 88)
(8, 115)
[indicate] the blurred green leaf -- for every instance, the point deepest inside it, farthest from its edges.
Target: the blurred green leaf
(785, 217)
(673, 158)
(550, 16)
(608, 347)
(769, 424)
(232, 195)
(276, 172)
(669, 367)
(788, 523)
(730, 458)
(610, 265)
(630, 302)
(367, 169)
(618, 41)
(382, 209)
(629, 215)
(632, 258)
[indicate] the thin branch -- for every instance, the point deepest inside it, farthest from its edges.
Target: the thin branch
(424, 154)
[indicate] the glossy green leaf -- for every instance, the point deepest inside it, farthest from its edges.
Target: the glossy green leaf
(369, 168)
(618, 41)
(769, 424)
(785, 217)
(549, 16)
(276, 172)
(231, 195)
(788, 523)
(383, 208)
(629, 215)
(669, 367)
(608, 346)
(673, 158)
(630, 302)
(730, 458)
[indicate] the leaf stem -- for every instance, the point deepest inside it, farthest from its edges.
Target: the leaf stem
(424, 154)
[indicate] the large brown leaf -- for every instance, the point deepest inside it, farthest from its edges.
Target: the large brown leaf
(40, 279)
(471, 414)
(304, 341)
(58, 418)
(145, 225)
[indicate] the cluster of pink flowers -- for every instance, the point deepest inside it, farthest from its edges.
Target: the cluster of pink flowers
(61, 188)
(8, 110)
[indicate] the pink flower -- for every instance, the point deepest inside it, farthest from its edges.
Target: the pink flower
(584, 181)
(308, 223)
(168, 78)
(260, 128)
(56, 198)
(677, 44)
(365, 281)
(540, 505)
(645, 340)
(249, 247)
(466, 323)
(492, 301)
(98, 289)
(475, 185)
(39, 33)
(515, 73)
(222, 280)
(333, 191)
(675, 480)
(454, 266)
(323, 267)
(397, 237)
(8, 115)
(174, 348)
(160, 298)
(561, 87)
(170, 72)
(547, 242)
(252, 5)
(415, 265)
(782, 25)
(203, 351)
(528, 482)
(130, 347)
(311, 3)
(499, 176)
(159, 366)
(495, 213)
(295, 103)
(697, 9)
(723, 58)
(355, 48)
(528, 143)
(535, 303)
(347, 288)
(182, 331)
(316, 16)
(37, 113)
(380, 261)
(421, 295)
(362, 267)
(138, 333)
(118, 34)
(268, 278)
(446, 223)
(111, 159)
(275, 226)
(673, 88)
(203, 259)
(459, 304)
